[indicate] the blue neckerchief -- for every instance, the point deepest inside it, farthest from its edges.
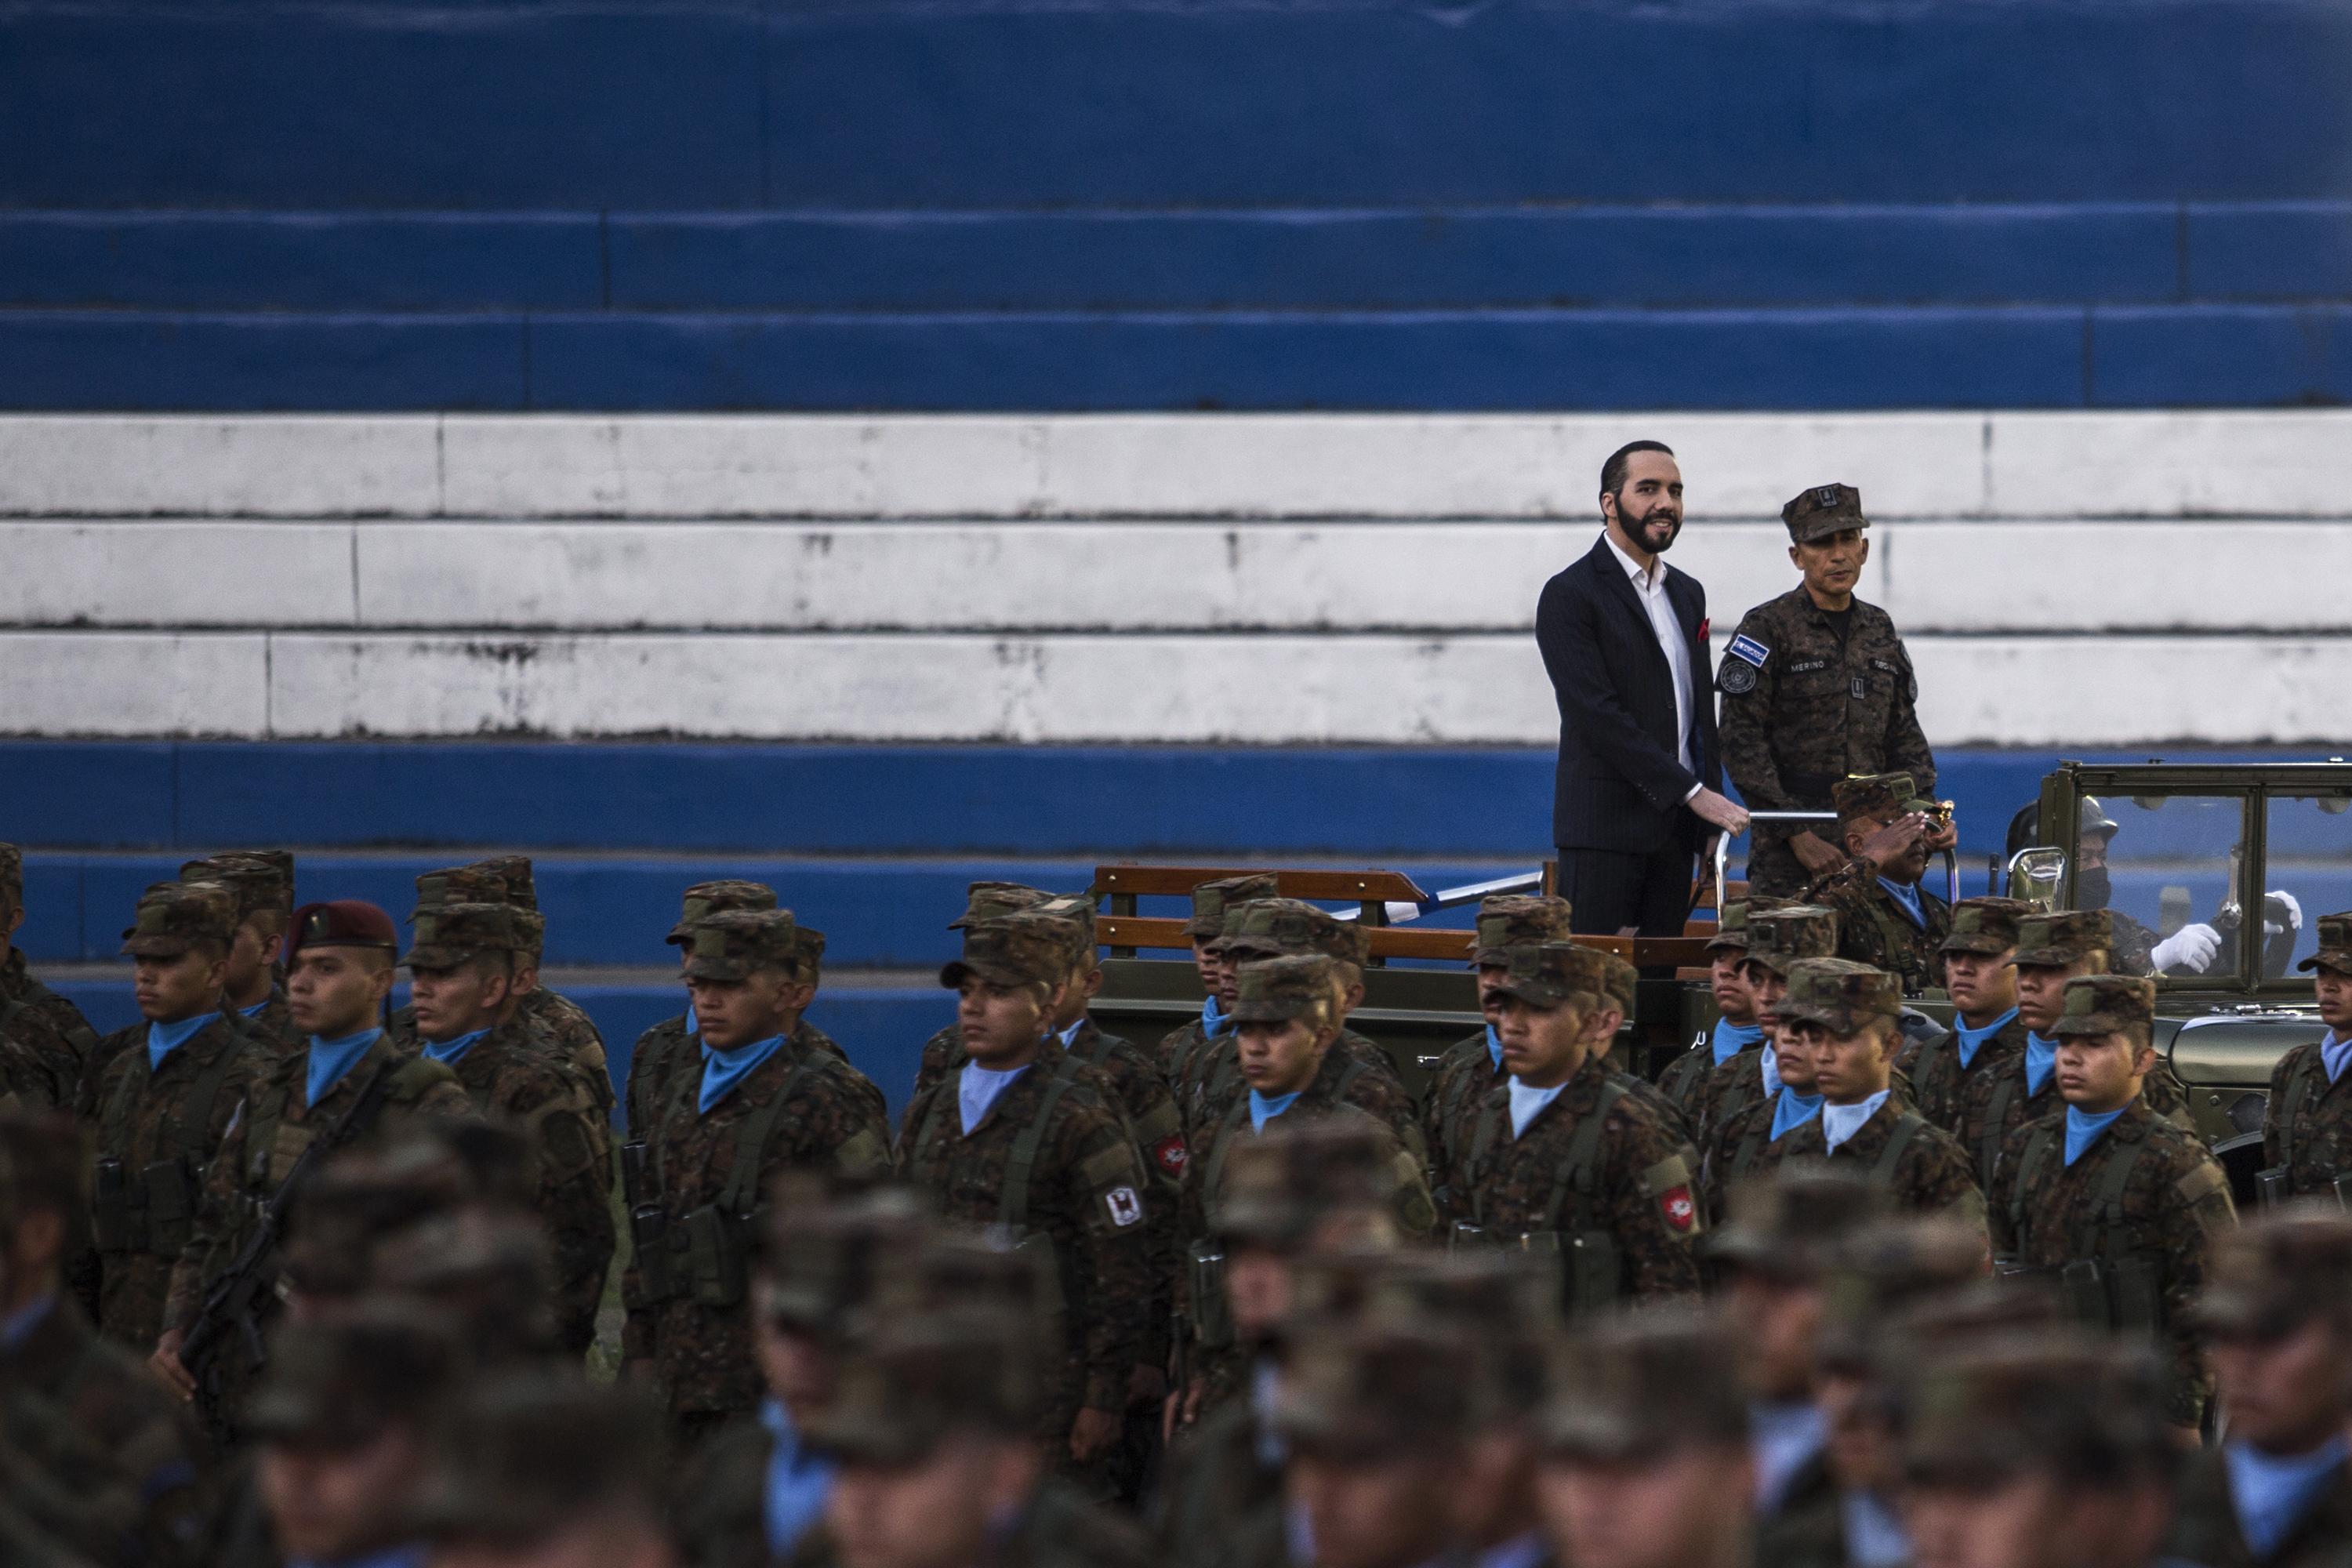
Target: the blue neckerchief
(1874, 1537)
(798, 1482)
(1213, 1021)
(1840, 1122)
(977, 1089)
(255, 1011)
(411, 1556)
(1264, 1392)
(1907, 899)
(1973, 1040)
(2270, 1494)
(19, 1324)
(162, 1039)
(331, 1059)
(2334, 1055)
(722, 1071)
(1066, 1035)
(1770, 1063)
(1520, 1552)
(1783, 1436)
(1730, 1039)
(1298, 1532)
(454, 1051)
(2041, 1062)
(2083, 1130)
(1263, 1110)
(1793, 1112)
(1526, 1104)
(693, 1021)
(1494, 1047)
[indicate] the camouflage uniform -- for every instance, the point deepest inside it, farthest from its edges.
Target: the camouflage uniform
(1938, 1079)
(159, 1128)
(661, 1048)
(261, 886)
(1923, 1166)
(1872, 928)
(513, 1075)
(1472, 1067)
(943, 1053)
(1804, 707)
(1600, 1175)
(1683, 1081)
(1211, 903)
(2307, 1122)
(707, 1173)
(2133, 1216)
(1776, 939)
(45, 1042)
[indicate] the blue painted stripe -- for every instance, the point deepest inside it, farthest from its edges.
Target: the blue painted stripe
(2233, 356)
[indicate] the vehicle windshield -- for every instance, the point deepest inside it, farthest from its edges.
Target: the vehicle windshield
(2308, 859)
(2168, 865)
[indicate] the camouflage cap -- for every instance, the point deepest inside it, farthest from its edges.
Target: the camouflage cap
(2106, 1005)
(1624, 984)
(175, 917)
(706, 899)
(1988, 926)
(448, 934)
(994, 901)
(2060, 1403)
(1975, 1312)
(1076, 911)
(1282, 1187)
(1389, 1384)
(11, 877)
(492, 1271)
(1877, 797)
(1791, 1225)
(254, 881)
(1823, 511)
(919, 1381)
(359, 1197)
(1636, 1387)
(514, 871)
(1552, 973)
(1779, 938)
(2055, 941)
(736, 944)
(1839, 994)
(1212, 900)
(809, 942)
(2335, 954)
(1274, 990)
(1288, 928)
(1506, 1303)
(818, 1268)
(532, 1453)
(1885, 1268)
(2290, 1265)
(1515, 920)
(458, 885)
(1021, 949)
(956, 1271)
(339, 1383)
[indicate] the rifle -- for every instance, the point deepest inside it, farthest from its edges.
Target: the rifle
(234, 1300)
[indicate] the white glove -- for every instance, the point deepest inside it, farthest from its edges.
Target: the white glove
(2293, 912)
(2190, 948)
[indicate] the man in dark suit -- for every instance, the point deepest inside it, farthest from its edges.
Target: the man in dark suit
(1625, 638)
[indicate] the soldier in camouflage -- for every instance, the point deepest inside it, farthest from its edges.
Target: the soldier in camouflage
(661, 1048)
(1886, 918)
(2307, 1119)
(1470, 1067)
(2114, 1202)
(1736, 1025)
(563, 1020)
(1816, 686)
(1776, 939)
(167, 1089)
(468, 1019)
(1565, 1160)
(943, 1053)
(1026, 1138)
(1986, 1031)
(264, 890)
(1745, 1146)
(767, 1101)
(45, 1045)
(1210, 903)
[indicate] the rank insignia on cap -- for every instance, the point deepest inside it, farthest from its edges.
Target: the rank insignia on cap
(1825, 495)
(1126, 1208)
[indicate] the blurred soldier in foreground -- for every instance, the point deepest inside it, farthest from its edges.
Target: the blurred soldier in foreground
(1886, 918)
(45, 1045)
(542, 1471)
(2307, 1120)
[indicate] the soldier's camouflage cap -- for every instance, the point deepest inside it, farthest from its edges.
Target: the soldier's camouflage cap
(1884, 1269)
(1731, 920)
(254, 881)
(176, 916)
(919, 1381)
(1636, 1387)
(1514, 919)
(2287, 1267)
(1505, 1303)
(1624, 984)
(994, 901)
(1212, 900)
(1791, 1223)
(2069, 936)
(491, 1270)
(2335, 954)
(11, 877)
(361, 1198)
(1274, 990)
(1550, 974)
(448, 934)
(707, 898)
(339, 1383)
(514, 871)
(738, 943)
(1839, 994)
(458, 885)
(1823, 511)
(1988, 926)
(1779, 938)
(1386, 1385)
(823, 1254)
(1021, 949)
(2059, 1403)
(1076, 911)
(2106, 1005)
(1876, 796)
(956, 1271)
(1281, 1188)
(1286, 928)
(530, 1454)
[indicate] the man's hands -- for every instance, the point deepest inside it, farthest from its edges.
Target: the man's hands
(1092, 1434)
(1816, 853)
(1719, 811)
(1887, 845)
(2191, 948)
(165, 1364)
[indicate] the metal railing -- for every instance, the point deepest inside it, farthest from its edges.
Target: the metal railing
(1723, 853)
(1398, 912)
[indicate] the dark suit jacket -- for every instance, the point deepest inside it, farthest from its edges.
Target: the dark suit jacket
(1618, 786)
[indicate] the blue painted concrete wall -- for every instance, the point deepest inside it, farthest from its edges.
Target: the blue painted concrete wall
(1562, 204)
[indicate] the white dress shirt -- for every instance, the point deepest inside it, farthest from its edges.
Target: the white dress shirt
(1650, 587)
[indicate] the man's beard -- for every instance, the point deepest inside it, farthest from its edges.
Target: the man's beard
(1638, 530)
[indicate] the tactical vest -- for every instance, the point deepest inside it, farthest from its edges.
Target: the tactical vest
(1020, 1172)
(1591, 1266)
(272, 1144)
(1994, 1133)
(1211, 1313)
(2306, 1082)
(2101, 1283)
(153, 1208)
(1681, 1080)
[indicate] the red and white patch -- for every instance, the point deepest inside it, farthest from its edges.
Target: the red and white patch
(1170, 1154)
(1681, 1212)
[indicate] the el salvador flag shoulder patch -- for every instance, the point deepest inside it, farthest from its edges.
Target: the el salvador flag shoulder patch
(1741, 660)
(1748, 647)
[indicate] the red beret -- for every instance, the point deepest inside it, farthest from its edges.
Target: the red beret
(342, 923)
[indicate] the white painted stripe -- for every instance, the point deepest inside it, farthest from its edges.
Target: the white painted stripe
(2038, 691)
(2265, 463)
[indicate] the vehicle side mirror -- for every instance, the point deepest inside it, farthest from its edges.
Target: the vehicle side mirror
(2034, 875)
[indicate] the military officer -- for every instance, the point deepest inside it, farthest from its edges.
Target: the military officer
(265, 902)
(1565, 1159)
(767, 1101)
(2307, 1120)
(163, 1101)
(46, 1044)
(662, 1047)
(2118, 1203)
(1986, 1031)
(1470, 1067)
(1776, 939)
(468, 1018)
(1736, 1026)
(1816, 685)
(1211, 900)
(1022, 1137)
(1886, 918)
(1844, 1015)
